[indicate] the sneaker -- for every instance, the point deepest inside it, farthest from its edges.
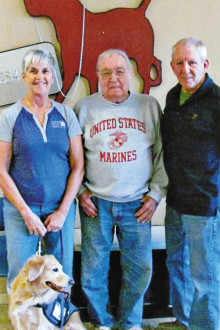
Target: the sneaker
(171, 325)
(103, 327)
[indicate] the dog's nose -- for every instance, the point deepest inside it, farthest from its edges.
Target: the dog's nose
(71, 281)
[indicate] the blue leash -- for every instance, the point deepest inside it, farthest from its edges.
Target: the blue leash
(61, 296)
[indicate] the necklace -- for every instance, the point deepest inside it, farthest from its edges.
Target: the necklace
(40, 118)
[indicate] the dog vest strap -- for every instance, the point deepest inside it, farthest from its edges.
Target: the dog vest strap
(62, 312)
(40, 305)
(58, 311)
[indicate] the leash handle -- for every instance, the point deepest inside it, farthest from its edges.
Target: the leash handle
(39, 245)
(39, 248)
(61, 246)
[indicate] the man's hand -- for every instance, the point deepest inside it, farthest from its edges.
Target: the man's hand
(88, 206)
(146, 212)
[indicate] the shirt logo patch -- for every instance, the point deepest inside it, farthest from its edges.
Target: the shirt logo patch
(58, 124)
(119, 139)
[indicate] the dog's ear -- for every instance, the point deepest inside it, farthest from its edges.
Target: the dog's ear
(36, 269)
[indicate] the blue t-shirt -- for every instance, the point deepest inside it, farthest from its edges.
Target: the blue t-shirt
(40, 155)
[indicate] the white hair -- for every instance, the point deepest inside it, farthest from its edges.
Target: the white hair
(36, 56)
(110, 52)
(192, 42)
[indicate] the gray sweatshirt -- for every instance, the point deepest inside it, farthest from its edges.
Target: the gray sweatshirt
(123, 149)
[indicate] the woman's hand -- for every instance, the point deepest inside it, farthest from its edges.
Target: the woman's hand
(34, 224)
(55, 220)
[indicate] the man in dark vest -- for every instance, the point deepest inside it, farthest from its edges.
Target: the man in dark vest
(191, 140)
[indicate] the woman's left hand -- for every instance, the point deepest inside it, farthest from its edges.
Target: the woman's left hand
(55, 221)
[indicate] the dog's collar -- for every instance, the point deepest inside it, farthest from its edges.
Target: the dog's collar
(58, 311)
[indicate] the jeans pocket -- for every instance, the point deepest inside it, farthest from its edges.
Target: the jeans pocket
(94, 199)
(137, 204)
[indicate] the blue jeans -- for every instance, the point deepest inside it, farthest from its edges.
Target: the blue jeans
(193, 260)
(21, 245)
(136, 261)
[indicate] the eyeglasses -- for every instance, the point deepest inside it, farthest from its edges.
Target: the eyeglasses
(119, 72)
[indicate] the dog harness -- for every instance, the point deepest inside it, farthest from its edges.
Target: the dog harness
(58, 311)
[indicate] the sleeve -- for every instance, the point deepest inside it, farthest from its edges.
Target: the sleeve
(77, 108)
(72, 122)
(81, 112)
(216, 107)
(159, 180)
(7, 120)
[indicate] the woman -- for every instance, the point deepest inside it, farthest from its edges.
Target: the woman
(41, 168)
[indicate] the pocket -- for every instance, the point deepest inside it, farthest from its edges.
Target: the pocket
(134, 206)
(94, 199)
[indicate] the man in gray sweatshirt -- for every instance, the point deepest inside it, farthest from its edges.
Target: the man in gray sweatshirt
(124, 182)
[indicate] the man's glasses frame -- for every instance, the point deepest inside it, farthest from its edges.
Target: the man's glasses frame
(119, 72)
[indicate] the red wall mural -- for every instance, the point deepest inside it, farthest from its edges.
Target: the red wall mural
(127, 29)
